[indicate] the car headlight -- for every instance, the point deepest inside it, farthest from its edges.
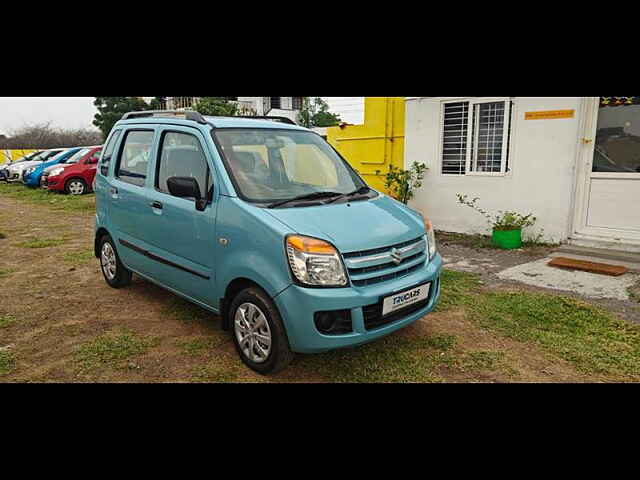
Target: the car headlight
(56, 171)
(431, 237)
(315, 262)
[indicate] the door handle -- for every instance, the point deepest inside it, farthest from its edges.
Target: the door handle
(156, 205)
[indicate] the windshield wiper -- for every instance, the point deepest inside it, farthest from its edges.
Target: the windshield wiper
(363, 189)
(308, 196)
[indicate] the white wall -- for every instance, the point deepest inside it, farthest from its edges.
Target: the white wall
(542, 160)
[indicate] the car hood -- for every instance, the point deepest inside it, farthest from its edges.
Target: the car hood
(359, 225)
(22, 165)
(53, 167)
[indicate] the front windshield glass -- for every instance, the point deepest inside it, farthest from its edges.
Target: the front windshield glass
(75, 158)
(56, 156)
(40, 157)
(274, 165)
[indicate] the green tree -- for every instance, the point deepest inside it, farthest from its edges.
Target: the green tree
(111, 109)
(315, 113)
(216, 106)
(158, 103)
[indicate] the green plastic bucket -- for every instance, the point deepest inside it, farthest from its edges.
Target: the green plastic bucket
(507, 239)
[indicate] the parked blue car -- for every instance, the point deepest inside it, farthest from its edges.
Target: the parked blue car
(31, 177)
(265, 224)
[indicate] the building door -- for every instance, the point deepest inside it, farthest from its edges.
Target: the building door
(608, 189)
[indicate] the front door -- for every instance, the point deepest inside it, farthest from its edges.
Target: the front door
(608, 190)
(180, 237)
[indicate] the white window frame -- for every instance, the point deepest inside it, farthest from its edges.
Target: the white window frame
(505, 136)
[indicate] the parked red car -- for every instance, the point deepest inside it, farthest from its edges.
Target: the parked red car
(75, 179)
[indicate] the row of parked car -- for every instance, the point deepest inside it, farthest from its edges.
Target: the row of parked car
(68, 170)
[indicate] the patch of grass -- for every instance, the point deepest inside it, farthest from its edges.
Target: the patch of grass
(6, 320)
(220, 370)
(111, 350)
(456, 288)
(51, 200)
(7, 362)
(484, 241)
(79, 257)
(5, 272)
(481, 360)
(390, 359)
(590, 338)
(41, 243)
(439, 342)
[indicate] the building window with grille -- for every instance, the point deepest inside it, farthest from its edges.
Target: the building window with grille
(296, 103)
(475, 137)
(275, 102)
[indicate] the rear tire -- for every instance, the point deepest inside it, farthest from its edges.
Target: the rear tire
(258, 332)
(115, 273)
(76, 186)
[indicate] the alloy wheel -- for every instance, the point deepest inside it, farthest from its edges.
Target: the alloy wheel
(108, 261)
(252, 332)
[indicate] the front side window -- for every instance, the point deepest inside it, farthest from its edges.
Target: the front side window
(475, 137)
(134, 157)
(181, 155)
(275, 165)
(108, 151)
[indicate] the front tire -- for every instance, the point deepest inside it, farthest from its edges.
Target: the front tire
(258, 332)
(75, 186)
(115, 273)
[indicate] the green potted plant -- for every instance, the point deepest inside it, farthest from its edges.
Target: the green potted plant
(507, 225)
(402, 183)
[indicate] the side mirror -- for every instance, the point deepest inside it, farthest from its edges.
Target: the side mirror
(186, 187)
(91, 161)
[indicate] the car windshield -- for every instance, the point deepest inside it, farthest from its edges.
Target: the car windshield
(41, 156)
(75, 158)
(56, 156)
(275, 165)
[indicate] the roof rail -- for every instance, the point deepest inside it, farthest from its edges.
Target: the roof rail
(188, 114)
(276, 119)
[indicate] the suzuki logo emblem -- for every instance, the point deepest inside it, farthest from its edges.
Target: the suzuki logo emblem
(395, 256)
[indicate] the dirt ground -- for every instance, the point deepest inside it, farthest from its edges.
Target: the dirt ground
(62, 323)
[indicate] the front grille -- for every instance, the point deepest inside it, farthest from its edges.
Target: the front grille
(373, 313)
(368, 267)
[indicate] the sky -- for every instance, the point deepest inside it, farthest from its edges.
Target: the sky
(78, 112)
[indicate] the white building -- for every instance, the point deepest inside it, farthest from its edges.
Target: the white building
(574, 162)
(262, 106)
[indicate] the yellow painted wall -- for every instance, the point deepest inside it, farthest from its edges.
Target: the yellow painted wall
(10, 155)
(375, 144)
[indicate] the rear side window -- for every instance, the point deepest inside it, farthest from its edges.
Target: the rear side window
(134, 157)
(181, 155)
(108, 151)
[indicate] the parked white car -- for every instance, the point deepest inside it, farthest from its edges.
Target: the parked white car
(15, 169)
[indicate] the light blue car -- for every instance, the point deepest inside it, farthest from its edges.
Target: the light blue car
(32, 175)
(265, 224)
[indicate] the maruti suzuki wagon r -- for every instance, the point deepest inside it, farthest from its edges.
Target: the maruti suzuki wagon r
(264, 223)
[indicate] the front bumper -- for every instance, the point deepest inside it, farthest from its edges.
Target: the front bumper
(297, 306)
(32, 179)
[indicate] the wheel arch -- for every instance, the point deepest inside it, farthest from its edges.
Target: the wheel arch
(101, 232)
(233, 288)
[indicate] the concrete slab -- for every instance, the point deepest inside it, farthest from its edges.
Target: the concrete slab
(539, 274)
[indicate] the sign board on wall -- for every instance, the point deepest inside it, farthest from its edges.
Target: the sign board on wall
(549, 114)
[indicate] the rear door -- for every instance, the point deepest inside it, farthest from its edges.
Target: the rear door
(127, 195)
